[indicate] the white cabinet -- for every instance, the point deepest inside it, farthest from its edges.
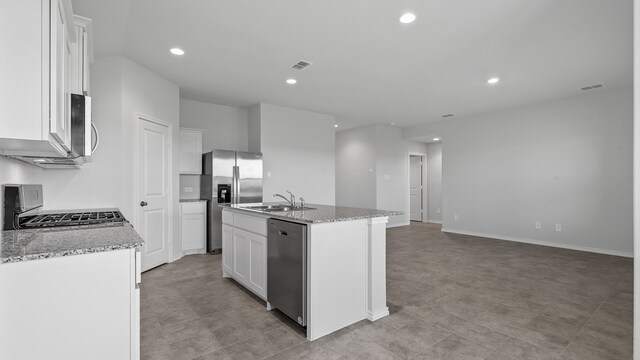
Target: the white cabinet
(244, 250)
(227, 255)
(194, 227)
(190, 151)
(73, 307)
(81, 56)
(35, 114)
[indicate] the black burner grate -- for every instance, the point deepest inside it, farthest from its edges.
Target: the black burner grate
(71, 219)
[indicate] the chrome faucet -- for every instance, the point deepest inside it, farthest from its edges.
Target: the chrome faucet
(293, 198)
(301, 202)
(292, 203)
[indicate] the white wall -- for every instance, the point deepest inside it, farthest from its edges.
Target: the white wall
(434, 182)
(120, 89)
(392, 171)
(225, 127)
(16, 172)
(298, 149)
(100, 181)
(564, 162)
(356, 167)
(636, 175)
(372, 169)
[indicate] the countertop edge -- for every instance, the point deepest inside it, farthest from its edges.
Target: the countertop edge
(307, 221)
(56, 254)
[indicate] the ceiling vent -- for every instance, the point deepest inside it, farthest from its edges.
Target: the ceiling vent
(591, 87)
(447, 115)
(301, 65)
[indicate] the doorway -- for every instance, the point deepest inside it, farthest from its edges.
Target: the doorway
(416, 186)
(153, 179)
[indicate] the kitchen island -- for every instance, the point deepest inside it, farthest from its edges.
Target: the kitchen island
(345, 259)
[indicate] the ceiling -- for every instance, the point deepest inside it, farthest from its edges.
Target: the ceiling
(367, 67)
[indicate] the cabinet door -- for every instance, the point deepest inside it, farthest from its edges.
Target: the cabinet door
(76, 85)
(258, 264)
(193, 232)
(60, 107)
(190, 151)
(227, 249)
(241, 251)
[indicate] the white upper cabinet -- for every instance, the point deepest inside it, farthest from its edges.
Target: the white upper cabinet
(60, 120)
(190, 151)
(81, 56)
(36, 72)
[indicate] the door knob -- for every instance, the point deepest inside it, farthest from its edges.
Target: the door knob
(143, 203)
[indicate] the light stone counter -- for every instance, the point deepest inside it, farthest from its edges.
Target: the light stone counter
(25, 245)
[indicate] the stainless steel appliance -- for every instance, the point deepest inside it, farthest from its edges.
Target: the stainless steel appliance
(82, 146)
(23, 202)
(287, 268)
(229, 177)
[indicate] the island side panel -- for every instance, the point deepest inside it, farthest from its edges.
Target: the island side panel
(376, 268)
(337, 276)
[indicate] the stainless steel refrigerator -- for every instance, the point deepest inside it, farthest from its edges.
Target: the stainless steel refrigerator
(228, 177)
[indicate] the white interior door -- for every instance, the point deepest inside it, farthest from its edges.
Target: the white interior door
(415, 188)
(153, 192)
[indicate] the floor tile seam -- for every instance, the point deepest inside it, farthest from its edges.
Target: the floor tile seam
(432, 346)
(274, 345)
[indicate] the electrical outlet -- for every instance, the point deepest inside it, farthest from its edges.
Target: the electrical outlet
(438, 211)
(558, 227)
(188, 189)
(538, 225)
(456, 217)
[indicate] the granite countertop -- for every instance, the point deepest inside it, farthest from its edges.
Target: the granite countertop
(25, 245)
(320, 213)
(191, 200)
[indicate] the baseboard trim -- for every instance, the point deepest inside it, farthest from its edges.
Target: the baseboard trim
(434, 221)
(543, 243)
(378, 315)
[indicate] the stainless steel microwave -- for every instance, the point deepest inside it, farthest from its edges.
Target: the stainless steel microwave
(82, 146)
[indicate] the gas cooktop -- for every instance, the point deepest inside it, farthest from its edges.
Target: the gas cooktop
(109, 217)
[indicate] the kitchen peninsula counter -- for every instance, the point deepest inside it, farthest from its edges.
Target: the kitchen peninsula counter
(318, 213)
(345, 263)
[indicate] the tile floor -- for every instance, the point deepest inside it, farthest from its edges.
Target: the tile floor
(450, 296)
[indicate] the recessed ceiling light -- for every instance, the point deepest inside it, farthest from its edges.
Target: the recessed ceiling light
(407, 18)
(493, 80)
(436, 139)
(292, 81)
(177, 51)
(336, 125)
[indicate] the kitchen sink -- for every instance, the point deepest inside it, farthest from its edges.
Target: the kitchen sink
(278, 207)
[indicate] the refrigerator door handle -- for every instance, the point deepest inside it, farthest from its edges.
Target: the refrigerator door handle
(236, 184)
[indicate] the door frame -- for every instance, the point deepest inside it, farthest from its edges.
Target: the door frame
(424, 192)
(136, 192)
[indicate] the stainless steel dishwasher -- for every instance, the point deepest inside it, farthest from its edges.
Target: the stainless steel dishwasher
(287, 269)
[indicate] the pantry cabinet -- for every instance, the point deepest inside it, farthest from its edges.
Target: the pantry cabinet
(37, 71)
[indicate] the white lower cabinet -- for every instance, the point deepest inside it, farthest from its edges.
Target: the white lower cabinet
(73, 307)
(194, 227)
(244, 253)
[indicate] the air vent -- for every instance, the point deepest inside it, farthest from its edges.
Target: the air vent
(591, 87)
(301, 65)
(448, 115)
